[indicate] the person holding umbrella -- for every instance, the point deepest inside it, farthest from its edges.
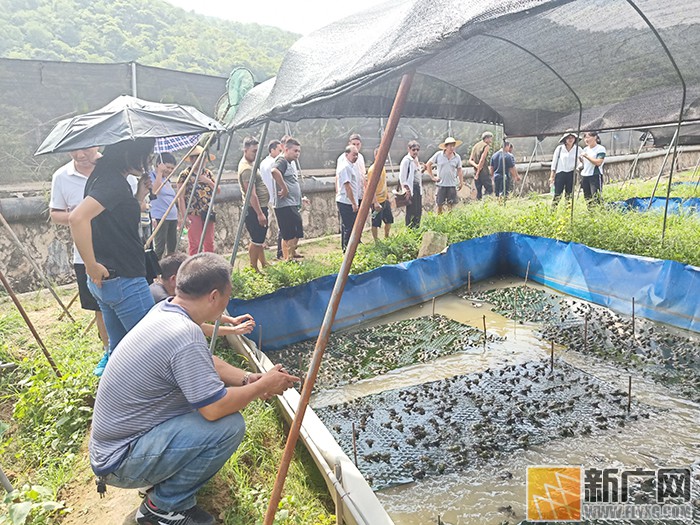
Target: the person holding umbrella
(105, 229)
(203, 192)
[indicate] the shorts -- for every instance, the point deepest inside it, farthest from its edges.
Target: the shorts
(446, 195)
(289, 222)
(257, 232)
(383, 215)
(87, 301)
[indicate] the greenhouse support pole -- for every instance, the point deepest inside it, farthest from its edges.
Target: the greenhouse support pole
(244, 211)
(662, 168)
(578, 100)
(19, 306)
(217, 182)
(336, 294)
(34, 265)
(680, 113)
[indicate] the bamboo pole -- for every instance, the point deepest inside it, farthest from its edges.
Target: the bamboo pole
(34, 265)
(70, 303)
(29, 324)
(331, 310)
(177, 196)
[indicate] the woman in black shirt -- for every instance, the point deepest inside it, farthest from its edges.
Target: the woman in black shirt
(105, 229)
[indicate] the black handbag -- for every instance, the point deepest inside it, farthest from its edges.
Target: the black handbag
(152, 265)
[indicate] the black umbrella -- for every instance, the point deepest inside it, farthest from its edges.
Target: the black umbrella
(126, 118)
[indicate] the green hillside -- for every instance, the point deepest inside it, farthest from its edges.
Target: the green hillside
(150, 32)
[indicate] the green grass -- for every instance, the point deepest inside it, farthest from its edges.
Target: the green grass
(44, 423)
(602, 227)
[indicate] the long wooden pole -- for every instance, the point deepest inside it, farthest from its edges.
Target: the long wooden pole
(29, 323)
(336, 294)
(179, 193)
(34, 265)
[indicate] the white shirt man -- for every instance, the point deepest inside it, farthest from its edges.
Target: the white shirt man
(67, 191)
(274, 149)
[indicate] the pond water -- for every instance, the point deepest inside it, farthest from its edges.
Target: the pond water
(493, 491)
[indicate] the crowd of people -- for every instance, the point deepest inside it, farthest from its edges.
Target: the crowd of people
(167, 411)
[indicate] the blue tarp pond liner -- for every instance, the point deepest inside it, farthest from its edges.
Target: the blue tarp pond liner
(664, 291)
(675, 204)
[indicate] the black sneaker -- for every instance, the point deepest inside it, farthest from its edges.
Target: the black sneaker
(149, 514)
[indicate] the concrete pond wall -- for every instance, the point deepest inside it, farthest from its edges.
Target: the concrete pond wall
(51, 247)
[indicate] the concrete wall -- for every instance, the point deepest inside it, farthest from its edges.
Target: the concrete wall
(50, 245)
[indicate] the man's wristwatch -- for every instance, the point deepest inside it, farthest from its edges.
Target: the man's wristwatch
(246, 379)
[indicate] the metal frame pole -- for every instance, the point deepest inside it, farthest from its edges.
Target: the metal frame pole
(680, 113)
(663, 167)
(578, 100)
(29, 324)
(244, 210)
(332, 308)
(34, 265)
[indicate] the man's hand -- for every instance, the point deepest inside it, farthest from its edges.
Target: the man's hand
(354, 207)
(262, 220)
(284, 191)
(97, 273)
(276, 381)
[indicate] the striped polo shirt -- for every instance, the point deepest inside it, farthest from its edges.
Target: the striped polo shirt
(160, 370)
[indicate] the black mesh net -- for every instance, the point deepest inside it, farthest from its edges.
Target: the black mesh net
(524, 63)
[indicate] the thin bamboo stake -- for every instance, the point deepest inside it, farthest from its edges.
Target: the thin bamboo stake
(629, 394)
(70, 303)
(87, 328)
(331, 310)
(29, 324)
(167, 179)
(177, 196)
(527, 272)
(34, 265)
(354, 442)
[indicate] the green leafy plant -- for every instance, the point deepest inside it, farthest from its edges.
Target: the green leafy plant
(31, 504)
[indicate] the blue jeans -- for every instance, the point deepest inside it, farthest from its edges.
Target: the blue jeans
(177, 457)
(123, 301)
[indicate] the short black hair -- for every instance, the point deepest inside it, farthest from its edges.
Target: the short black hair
(291, 142)
(272, 145)
(171, 264)
(354, 136)
(250, 141)
(126, 156)
(165, 158)
(203, 273)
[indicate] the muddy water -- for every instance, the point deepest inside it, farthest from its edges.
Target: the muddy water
(497, 494)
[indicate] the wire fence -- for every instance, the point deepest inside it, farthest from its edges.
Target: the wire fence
(37, 94)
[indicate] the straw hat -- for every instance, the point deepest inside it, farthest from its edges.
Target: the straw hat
(450, 140)
(568, 133)
(197, 151)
